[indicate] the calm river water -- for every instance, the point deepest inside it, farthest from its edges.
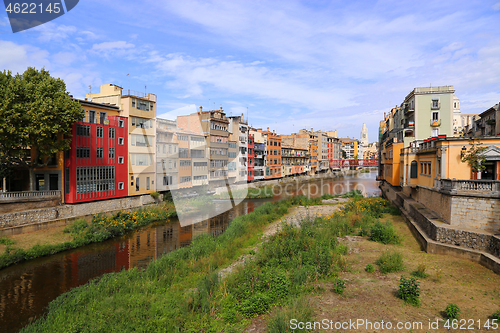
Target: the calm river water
(26, 289)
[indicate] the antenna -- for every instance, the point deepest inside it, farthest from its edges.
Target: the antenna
(145, 91)
(90, 89)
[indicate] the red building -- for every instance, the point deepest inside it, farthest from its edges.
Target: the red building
(96, 166)
(251, 157)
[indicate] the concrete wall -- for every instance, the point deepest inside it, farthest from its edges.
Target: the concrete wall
(67, 213)
(475, 212)
(435, 201)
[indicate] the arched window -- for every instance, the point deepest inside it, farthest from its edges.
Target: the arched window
(413, 169)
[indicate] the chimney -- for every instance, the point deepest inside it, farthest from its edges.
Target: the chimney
(268, 129)
(201, 108)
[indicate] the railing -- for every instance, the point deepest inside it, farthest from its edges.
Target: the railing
(14, 196)
(470, 185)
(435, 123)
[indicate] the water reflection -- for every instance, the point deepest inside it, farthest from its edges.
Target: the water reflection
(26, 289)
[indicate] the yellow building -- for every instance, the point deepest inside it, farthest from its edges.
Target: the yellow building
(428, 162)
(140, 108)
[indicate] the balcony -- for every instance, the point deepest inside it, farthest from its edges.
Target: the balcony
(29, 196)
(435, 122)
(469, 186)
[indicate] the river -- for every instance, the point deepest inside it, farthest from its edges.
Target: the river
(26, 289)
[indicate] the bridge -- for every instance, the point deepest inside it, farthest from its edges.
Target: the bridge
(372, 162)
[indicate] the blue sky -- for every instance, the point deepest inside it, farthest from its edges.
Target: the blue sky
(294, 64)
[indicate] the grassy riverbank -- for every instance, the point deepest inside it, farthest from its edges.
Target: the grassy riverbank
(16, 249)
(318, 270)
(182, 290)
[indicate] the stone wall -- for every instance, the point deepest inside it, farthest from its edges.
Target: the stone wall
(435, 201)
(475, 212)
(448, 239)
(70, 212)
(460, 209)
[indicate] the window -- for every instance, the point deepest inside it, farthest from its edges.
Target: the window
(133, 102)
(435, 116)
(435, 132)
(147, 183)
(435, 103)
(121, 123)
(91, 116)
(121, 186)
(82, 152)
(111, 133)
(142, 105)
(137, 184)
(183, 153)
(170, 164)
(82, 130)
(184, 163)
(133, 121)
(111, 153)
(120, 160)
(186, 179)
(167, 180)
(99, 152)
(102, 118)
(99, 131)
(200, 164)
(413, 169)
(120, 141)
(182, 137)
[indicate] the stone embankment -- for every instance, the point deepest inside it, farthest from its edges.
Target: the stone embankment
(36, 219)
(437, 236)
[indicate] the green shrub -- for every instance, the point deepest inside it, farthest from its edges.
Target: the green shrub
(6, 241)
(300, 309)
(420, 272)
(369, 268)
(338, 286)
(409, 290)
(155, 195)
(496, 315)
(384, 233)
(76, 227)
(255, 305)
(390, 262)
(452, 311)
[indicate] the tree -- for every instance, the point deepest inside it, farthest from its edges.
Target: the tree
(344, 155)
(475, 157)
(37, 116)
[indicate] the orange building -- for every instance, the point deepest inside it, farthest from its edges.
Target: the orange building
(273, 154)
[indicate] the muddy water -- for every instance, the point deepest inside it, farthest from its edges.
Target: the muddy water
(27, 288)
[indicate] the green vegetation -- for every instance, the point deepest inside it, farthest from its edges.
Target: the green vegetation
(384, 233)
(6, 241)
(409, 290)
(182, 291)
(100, 229)
(420, 272)
(155, 195)
(390, 262)
(38, 114)
(369, 268)
(452, 311)
(338, 286)
(496, 315)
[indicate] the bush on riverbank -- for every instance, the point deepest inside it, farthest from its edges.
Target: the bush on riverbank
(100, 229)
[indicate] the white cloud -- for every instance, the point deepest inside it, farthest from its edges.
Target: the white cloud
(110, 46)
(51, 32)
(17, 58)
(233, 77)
(496, 6)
